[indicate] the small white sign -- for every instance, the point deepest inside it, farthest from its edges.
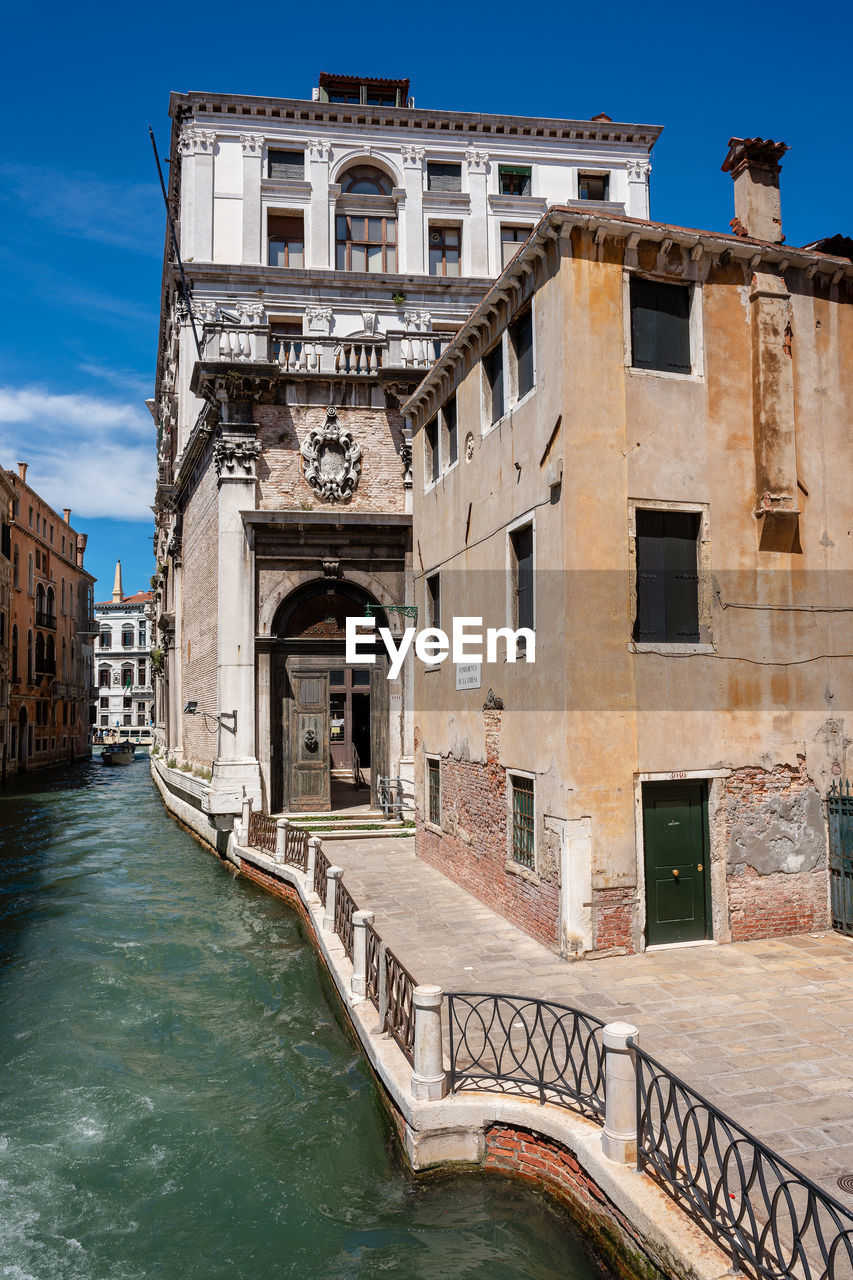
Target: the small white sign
(469, 675)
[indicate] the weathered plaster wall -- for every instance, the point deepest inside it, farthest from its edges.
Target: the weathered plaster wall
(199, 633)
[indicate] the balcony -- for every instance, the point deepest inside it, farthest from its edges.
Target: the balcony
(45, 619)
(321, 355)
(45, 667)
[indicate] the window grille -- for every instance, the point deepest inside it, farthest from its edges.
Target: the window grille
(434, 779)
(522, 821)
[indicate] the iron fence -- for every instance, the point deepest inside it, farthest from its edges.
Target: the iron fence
(515, 1044)
(321, 866)
(396, 1009)
(344, 909)
(771, 1219)
(262, 832)
(373, 946)
(297, 847)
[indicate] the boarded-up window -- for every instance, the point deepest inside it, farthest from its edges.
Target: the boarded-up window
(521, 337)
(443, 177)
(667, 577)
(660, 325)
(286, 164)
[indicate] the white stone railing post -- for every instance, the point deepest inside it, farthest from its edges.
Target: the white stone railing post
(428, 1077)
(244, 819)
(281, 827)
(619, 1138)
(314, 846)
(333, 875)
(360, 919)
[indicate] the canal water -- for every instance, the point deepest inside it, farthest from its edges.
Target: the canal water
(177, 1098)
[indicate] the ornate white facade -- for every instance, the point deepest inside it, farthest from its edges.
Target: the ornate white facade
(123, 694)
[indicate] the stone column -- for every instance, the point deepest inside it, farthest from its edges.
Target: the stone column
(411, 246)
(253, 237)
(281, 828)
(637, 204)
(333, 875)
(245, 815)
(478, 248)
(619, 1138)
(428, 1078)
(235, 771)
(360, 919)
(197, 236)
(318, 249)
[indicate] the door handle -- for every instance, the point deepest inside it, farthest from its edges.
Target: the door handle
(699, 866)
(675, 872)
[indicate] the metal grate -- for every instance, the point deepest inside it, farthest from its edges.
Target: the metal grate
(434, 779)
(522, 821)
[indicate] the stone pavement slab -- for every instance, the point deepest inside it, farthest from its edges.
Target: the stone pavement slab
(760, 1028)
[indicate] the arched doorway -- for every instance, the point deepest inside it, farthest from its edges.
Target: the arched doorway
(328, 719)
(22, 739)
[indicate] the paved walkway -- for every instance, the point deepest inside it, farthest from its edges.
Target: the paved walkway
(761, 1028)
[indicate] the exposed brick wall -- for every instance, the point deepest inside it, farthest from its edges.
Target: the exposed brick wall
(776, 863)
(545, 1162)
(198, 616)
(613, 914)
(472, 847)
(282, 430)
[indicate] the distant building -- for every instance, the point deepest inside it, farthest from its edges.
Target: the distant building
(639, 447)
(51, 633)
(7, 497)
(336, 244)
(124, 694)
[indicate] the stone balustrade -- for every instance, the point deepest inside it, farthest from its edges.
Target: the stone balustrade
(319, 354)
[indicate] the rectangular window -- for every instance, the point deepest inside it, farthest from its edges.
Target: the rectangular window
(365, 243)
(286, 164)
(493, 369)
(433, 600)
(667, 577)
(104, 721)
(142, 635)
(106, 640)
(434, 791)
(451, 435)
(660, 325)
(521, 567)
(523, 828)
(521, 340)
(593, 186)
(286, 241)
(105, 704)
(514, 179)
(432, 458)
(443, 177)
(445, 251)
(512, 238)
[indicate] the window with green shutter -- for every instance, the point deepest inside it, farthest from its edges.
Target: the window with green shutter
(515, 179)
(660, 326)
(667, 577)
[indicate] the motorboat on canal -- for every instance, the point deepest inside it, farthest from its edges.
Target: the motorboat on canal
(119, 753)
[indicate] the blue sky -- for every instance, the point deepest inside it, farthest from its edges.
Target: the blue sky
(81, 220)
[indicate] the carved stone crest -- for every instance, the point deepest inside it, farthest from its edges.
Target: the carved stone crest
(331, 460)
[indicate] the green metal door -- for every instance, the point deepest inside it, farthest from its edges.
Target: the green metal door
(675, 833)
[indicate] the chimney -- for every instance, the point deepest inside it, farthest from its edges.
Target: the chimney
(66, 514)
(82, 539)
(754, 166)
(22, 471)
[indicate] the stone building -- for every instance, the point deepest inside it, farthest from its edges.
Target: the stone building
(7, 497)
(52, 624)
(639, 447)
(333, 246)
(123, 693)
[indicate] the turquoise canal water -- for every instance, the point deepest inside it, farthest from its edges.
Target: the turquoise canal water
(177, 1098)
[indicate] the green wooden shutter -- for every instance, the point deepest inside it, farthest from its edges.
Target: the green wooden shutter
(660, 325)
(682, 576)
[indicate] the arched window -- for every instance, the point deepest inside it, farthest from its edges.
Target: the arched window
(30, 576)
(51, 606)
(62, 597)
(366, 227)
(71, 598)
(40, 667)
(50, 656)
(14, 653)
(29, 657)
(64, 659)
(40, 610)
(16, 566)
(127, 676)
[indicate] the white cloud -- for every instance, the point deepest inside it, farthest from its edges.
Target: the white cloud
(94, 455)
(129, 215)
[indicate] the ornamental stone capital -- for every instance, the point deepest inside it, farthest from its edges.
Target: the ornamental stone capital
(195, 142)
(235, 456)
(476, 160)
(331, 460)
(413, 157)
(319, 319)
(320, 149)
(639, 170)
(252, 144)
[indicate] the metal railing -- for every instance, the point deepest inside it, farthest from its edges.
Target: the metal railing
(771, 1219)
(321, 866)
(512, 1044)
(357, 776)
(262, 832)
(45, 618)
(344, 909)
(373, 948)
(396, 796)
(297, 847)
(396, 1008)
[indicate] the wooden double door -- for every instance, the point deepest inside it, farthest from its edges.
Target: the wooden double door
(675, 836)
(326, 708)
